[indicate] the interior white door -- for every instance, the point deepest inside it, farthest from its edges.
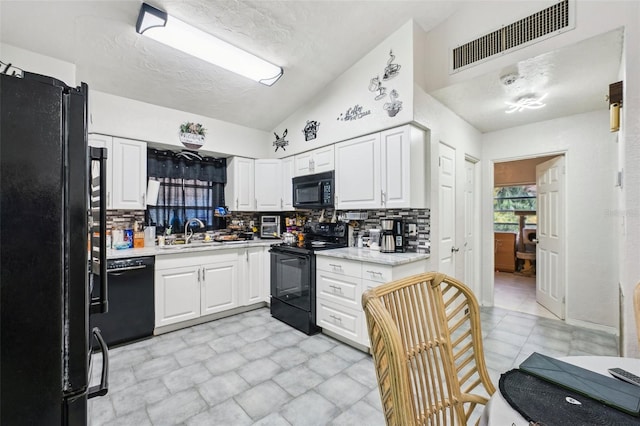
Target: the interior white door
(469, 266)
(447, 205)
(550, 251)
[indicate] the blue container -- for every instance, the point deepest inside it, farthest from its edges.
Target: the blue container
(128, 237)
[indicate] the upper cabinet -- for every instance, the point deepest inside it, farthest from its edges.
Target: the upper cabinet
(239, 192)
(358, 173)
(386, 170)
(316, 161)
(126, 171)
(268, 185)
(287, 184)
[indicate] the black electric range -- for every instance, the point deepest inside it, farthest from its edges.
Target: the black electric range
(293, 274)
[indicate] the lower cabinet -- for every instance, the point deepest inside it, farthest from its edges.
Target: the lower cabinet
(177, 294)
(192, 285)
(339, 287)
(219, 287)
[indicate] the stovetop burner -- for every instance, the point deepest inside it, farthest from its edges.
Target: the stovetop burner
(319, 236)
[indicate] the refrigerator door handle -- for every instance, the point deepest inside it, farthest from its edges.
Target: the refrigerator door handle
(99, 268)
(103, 387)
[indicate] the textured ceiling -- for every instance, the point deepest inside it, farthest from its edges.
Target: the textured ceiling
(575, 80)
(314, 41)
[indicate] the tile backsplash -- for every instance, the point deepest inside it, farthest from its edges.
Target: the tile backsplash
(418, 242)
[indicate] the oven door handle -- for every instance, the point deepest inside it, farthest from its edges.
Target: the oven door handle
(103, 387)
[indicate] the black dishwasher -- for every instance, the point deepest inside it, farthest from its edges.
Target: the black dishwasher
(130, 314)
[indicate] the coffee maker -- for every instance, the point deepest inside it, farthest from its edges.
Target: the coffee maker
(398, 235)
(388, 240)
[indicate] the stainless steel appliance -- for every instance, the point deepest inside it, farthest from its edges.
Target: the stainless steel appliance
(270, 226)
(53, 215)
(387, 241)
(398, 235)
(293, 274)
(314, 191)
(131, 314)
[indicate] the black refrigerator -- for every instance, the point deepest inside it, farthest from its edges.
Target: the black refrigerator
(52, 252)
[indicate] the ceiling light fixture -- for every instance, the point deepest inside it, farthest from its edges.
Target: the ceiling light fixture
(526, 102)
(166, 29)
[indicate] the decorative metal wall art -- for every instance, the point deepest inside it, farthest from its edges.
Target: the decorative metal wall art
(311, 130)
(394, 106)
(280, 142)
(10, 69)
(375, 85)
(353, 113)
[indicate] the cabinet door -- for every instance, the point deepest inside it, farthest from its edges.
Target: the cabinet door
(268, 185)
(323, 159)
(358, 173)
(219, 287)
(102, 141)
(287, 185)
(129, 174)
(266, 274)
(252, 282)
(303, 163)
(177, 295)
(395, 145)
(241, 196)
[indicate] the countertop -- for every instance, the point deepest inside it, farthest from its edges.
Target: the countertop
(189, 248)
(373, 256)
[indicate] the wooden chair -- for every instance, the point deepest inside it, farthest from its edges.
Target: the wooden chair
(427, 350)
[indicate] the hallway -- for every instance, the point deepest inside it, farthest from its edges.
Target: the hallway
(518, 293)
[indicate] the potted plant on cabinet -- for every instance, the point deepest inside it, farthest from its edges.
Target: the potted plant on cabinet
(192, 135)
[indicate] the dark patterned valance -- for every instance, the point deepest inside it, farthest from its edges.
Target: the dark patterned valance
(186, 165)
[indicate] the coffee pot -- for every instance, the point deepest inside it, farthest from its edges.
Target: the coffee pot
(387, 241)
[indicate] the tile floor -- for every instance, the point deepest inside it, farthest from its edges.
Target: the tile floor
(251, 369)
(518, 293)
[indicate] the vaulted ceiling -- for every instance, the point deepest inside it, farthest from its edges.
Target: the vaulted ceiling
(314, 41)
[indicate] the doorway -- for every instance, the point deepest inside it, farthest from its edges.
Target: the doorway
(518, 274)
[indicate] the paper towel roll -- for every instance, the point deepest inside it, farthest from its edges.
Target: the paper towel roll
(153, 186)
(614, 117)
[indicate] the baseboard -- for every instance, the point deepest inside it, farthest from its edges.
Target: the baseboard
(592, 326)
(207, 318)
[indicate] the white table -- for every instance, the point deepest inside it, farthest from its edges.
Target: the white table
(498, 412)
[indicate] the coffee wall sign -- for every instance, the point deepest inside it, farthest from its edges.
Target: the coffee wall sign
(354, 113)
(390, 71)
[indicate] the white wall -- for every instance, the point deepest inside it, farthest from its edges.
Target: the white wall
(445, 126)
(118, 116)
(593, 17)
(352, 88)
(590, 149)
(39, 64)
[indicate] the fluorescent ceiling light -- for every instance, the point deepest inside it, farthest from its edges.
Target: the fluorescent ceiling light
(158, 25)
(526, 102)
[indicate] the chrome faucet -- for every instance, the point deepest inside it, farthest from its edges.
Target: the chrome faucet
(186, 226)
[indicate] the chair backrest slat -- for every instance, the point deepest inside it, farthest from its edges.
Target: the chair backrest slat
(427, 348)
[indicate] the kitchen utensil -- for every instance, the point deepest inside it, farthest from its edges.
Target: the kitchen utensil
(288, 238)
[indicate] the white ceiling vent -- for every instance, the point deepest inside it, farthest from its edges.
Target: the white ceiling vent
(539, 26)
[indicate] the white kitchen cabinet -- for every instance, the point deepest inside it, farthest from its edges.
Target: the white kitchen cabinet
(177, 294)
(383, 170)
(287, 184)
(266, 274)
(190, 285)
(219, 285)
(251, 265)
(268, 185)
(239, 191)
(316, 161)
(126, 171)
(103, 141)
(129, 174)
(357, 178)
(340, 284)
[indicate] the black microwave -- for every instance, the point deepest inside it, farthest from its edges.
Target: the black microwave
(313, 191)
